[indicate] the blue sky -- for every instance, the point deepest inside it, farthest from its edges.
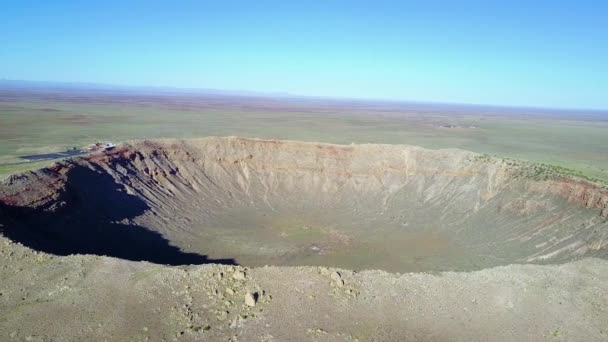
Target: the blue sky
(530, 53)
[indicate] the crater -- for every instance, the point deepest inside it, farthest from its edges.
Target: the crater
(267, 202)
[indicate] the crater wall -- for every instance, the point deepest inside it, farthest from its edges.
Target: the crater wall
(256, 202)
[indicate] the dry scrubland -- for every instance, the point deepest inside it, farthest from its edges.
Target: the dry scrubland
(529, 246)
(42, 121)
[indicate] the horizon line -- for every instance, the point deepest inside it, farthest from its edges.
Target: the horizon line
(276, 94)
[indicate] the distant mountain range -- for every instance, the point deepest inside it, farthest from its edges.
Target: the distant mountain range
(101, 88)
(87, 87)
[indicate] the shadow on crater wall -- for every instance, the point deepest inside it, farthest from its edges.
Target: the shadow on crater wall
(92, 221)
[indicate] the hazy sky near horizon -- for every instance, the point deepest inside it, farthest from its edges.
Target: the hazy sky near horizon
(530, 53)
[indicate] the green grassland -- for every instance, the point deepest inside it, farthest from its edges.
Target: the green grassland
(35, 125)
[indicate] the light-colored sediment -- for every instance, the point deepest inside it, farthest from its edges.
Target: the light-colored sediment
(90, 298)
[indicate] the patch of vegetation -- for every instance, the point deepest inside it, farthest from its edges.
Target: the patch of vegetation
(203, 329)
(482, 158)
(539, 171)
(6, 170)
